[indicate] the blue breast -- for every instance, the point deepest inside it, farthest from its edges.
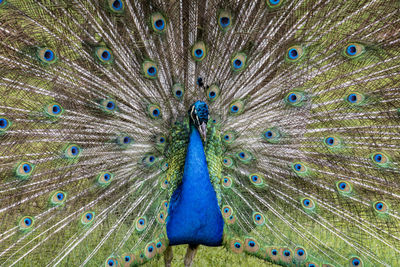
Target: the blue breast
(194, 215)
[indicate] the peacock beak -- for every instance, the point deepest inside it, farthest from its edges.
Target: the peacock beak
(203, 130)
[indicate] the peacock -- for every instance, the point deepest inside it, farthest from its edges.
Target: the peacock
(129, 129)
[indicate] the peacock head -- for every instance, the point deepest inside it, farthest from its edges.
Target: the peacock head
(198, 116)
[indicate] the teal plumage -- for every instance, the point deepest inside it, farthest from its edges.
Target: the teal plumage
(301, 142)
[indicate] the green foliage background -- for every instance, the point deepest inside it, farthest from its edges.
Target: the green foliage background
(211, 256)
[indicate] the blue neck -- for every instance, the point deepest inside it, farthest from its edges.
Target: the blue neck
(194, 215)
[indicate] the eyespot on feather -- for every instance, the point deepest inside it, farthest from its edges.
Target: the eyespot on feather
(226, 181)
(286, 255)
(225, 20)
(58, 198)
(53, 110)
(238, 62)
(5, 124)
(150, 250)
(256, 179)
(226, 211)
(308, 204)
(251, 245)
(46, 56)
(24, 170)
(344, 187)
(150, 69)
(104, 178)
(87, 217)
(236, 246)
(141, 223)
(272, 135)
(354, 50)
(213, 92)
(178, 90)
(258, 218)
(154, 111)
(158, 23)
(294, 53)
(236, 107)
(116, 6)
(104, 55)
(72, 151)
(26, 223)
(274, 3)
(227, 162)
(199, 51)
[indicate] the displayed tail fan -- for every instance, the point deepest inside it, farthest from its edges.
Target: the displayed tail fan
(111, 109)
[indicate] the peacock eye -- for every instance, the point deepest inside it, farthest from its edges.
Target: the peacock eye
(149, 160)
(274, 252)
(72, 151)
(199, 51)
(226, 211)
(286, 253)
(381, 159)
(104, 55)
(226, 182)
(104, 178)
(161, 217)
(355, 98)
(354, 50)
(178, 90)
(111, 262)
(149, 69)
(236, 107)
(238, 61)
(4, 124)
(150, 251)
(213, 92)
(46, 55)
(227, 162)
(294, 53)
(244, 156)
(58, 198)
(116, 6)
(141, 224)
(256, 179)
(110, 105)
(225, 20)
(24, 170)
(158, 23)
(271, 135)
(274, 3)
(356, 262)
(26, 223)
(380, 207)
(300, 252)
(124, 140)
(295, 98)
(308, 204)
(154, 111)
(251, 245)
(258, 218)
(87, 217)
(299, 167)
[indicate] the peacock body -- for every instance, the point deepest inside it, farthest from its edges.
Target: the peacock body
(269, 127)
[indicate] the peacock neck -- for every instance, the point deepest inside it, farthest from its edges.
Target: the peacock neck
(194, 214)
